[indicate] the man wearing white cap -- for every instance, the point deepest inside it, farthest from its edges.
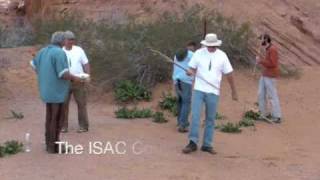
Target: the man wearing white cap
(78, 65)
(208, 64)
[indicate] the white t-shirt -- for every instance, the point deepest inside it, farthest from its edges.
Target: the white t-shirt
(76, 59)
(220, 65)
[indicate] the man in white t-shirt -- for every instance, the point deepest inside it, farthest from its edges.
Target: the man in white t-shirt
(208, 65)
(78, 64)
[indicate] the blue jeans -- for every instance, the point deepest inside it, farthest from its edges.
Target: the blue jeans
(211, 102)
(184, 93)
(267, 89)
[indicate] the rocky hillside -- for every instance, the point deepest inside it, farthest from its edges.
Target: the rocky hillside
(294, 24)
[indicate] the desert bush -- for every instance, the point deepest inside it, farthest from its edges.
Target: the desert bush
(126, 91)
(16, 115)
(10, 148)
(15, 36)
(44, 28)
(158, 117)
(120, 51)
(290, 72)
(169, 102)
(2, 154)
(220, 116)
(126, 113)
(251, 115)
(249, 118)
(230, 128)
(13, 147)
(247, 122)
(217, 126)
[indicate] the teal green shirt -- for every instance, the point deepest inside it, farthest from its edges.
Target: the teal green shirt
(50, 64)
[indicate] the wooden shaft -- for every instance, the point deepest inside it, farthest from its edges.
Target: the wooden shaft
(169, 60)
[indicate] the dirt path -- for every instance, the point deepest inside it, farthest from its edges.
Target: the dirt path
(263, 154)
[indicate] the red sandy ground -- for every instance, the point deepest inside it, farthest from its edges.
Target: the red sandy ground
(289, 153)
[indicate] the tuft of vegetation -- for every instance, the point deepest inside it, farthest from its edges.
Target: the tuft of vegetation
(2, 154)
(158, 117)
(230, 128)
(290, 72)
(251, 115)
(220, 116)
(247, 122)
(11, 148)
(170, 103)
(125, 113)
(16, 115)
(16, 35)
(249, 118)
(126, 91)
(120, 51)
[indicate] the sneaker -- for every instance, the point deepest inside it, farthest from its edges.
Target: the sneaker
(183, 130)
(64, 130)
(191, 147)
(276, 120)
(208, 149)
(82, 130)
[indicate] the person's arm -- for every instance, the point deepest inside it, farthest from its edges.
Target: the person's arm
(228, 72)
(87, 68)
(85, 62)
(234, 93)
(61, 66)
(271, 60)
(173, 77)
(191, 71)
(34, 61)
(68, 76)
(33, 66)
(193, 65)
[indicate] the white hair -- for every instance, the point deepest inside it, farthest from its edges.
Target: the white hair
(58, 38)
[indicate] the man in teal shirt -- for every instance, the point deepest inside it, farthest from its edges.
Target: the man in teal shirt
(51, 66)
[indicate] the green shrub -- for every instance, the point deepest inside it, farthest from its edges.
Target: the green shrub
(11, 148)
(290, 72)
(251, 115)
(158, 117)
(126, 91)
(126, 113)
(2, 152)
(120, 51)
(170, 103)
(247, 122)
(220, 116)
(16, 35)
(16, 115)
(230, 128)
(249, 118)
(217, 126)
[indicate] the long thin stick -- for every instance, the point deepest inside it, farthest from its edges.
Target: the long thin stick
(254, 68)
(256, 63)
(169, 60)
